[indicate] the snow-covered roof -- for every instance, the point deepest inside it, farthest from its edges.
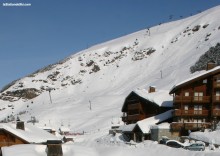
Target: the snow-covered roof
(161, 97)
(31, 134)
(64, 129)
(127, 128)
(197, 76)
(146, 124)
(164, 125)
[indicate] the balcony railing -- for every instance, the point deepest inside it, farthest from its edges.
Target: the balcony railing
(190, 99)
(182, 99)
(134, 106)
(190, 125)
(216, 112)
(179, 112)
(216, 85)
(136, 117)
(215, 98)
(176, 126)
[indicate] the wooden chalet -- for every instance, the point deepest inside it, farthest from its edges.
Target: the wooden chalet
(20, 133)
(8, 138)
(142, 104)
(197, 102)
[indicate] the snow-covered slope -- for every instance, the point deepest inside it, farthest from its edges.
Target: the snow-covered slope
(88, 88)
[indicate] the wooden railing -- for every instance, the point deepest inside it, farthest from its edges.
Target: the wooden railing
(216, 112)
(189, 99)
(134, 106)
(176, 126)
(136, 117)
(182, 99)
(216, 85)
(190, 125)
(215, 98)
(179, 112)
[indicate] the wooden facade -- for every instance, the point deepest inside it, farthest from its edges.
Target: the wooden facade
(197, 102)
(8, 139)
(137, 108)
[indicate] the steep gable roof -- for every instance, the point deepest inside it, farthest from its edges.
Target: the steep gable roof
(160, 98)
(195, 78)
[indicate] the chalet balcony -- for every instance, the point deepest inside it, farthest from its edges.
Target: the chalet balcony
(189, 126)
(216, 112)
(176, 125)
(216, 99)
(216, 85)
(136, 117)
(196, 125)
(183, 99)
(179, 112)
(191, 99)
(134, 106)
(201, 99)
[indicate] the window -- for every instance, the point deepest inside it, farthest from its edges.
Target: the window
(199, 120)
(185, 120)
(218, 79)
(204, 81)
(186, 108)
(186, 93)
(217, 97)
(198, 96)
(197, 109)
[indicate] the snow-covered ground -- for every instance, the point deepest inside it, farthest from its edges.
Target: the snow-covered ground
(90, 86)
(106, 145)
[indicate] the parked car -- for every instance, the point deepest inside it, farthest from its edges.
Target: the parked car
(174, 144)
(197, 146)
(164, 140)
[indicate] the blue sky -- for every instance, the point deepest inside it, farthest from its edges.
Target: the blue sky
(50, 30)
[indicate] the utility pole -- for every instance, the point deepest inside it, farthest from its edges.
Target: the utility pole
(50, 96)
(90, 105)
(161, 74)
(49, 90)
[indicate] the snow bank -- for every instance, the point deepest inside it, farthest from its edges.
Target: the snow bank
(141, 149)
(209, 137)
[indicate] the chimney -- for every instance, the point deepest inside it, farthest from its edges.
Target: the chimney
(152, 89)
(54, 148)
(20, 125)
(210, 65)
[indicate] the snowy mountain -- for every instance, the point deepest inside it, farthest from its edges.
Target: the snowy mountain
(86, 90)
